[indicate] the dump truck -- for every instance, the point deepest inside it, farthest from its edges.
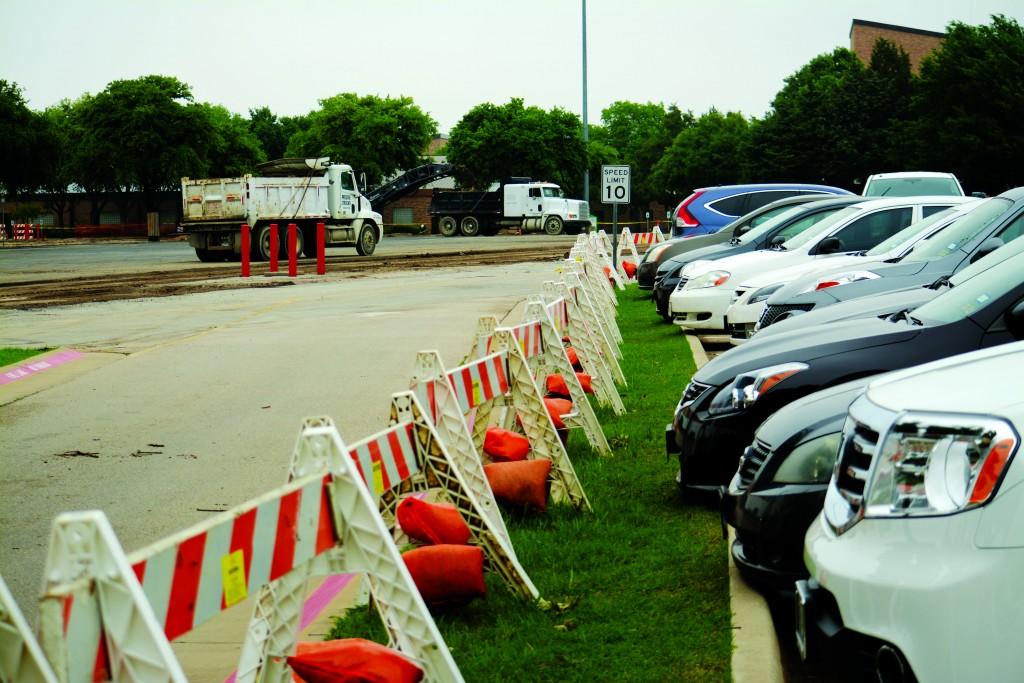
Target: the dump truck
(300, 191)
(517, 202)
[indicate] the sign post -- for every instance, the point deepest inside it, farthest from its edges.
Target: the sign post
(615, 191)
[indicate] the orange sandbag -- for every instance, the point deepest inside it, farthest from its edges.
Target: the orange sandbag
(505, 446)
(565, 339)
(352, 660)
(557, 407)
(586, 382)
(556, 386)
(630, 268)
(448, 574)
(524, 484)
(608, 272)
(432, 522)
(574, 360)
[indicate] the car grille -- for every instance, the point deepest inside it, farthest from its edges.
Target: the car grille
(693, 391)
(751, 461)
(858, 450)
(772, 313)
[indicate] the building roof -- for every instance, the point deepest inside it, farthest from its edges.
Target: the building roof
(894, 27)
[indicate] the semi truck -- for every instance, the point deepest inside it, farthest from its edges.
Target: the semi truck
(517, 202)
(300, 191)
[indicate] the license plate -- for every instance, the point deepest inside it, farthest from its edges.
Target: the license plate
(801, 599)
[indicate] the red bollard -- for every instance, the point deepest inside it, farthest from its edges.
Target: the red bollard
(274, 246)
(293, 266)
(245, 250)
(321, 267)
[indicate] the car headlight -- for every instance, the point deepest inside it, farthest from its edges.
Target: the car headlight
(750, 386)
(765, 292)
(937, 464)
(837, 280)
(713, 278)
(811, 462)
(721, 404)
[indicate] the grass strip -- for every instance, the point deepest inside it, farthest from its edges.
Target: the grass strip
(638, 590)
(10, 355)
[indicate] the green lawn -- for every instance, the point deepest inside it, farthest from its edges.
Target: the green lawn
(11, 355)
(643, 579)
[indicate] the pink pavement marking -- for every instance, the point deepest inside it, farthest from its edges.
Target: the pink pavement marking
(29, 369)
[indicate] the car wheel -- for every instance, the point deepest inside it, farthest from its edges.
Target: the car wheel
(448, 226)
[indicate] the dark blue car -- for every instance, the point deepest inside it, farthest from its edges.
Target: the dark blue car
(710, 209)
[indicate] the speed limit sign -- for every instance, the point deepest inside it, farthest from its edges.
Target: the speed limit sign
(614, 184)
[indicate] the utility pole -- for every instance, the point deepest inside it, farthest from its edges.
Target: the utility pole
(586, 126)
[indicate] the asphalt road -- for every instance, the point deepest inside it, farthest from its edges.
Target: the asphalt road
(192, 403)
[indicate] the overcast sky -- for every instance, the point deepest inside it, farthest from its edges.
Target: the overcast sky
(448, 55)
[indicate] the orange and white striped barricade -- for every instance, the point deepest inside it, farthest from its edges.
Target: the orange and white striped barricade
(593, 264)
(603, 310)
(110, 616)
(25, 231)
(21, 658)
(499, 387)
(586, 336)
(649, 239)
(602, 251)
(553, 360)
(627, 250)
(424, 462)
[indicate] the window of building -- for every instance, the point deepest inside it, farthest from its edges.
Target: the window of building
(401, 216)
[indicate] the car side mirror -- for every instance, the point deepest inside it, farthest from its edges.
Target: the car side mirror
(1015, 320)
(777, 240)
(986, 248)
(830, 245)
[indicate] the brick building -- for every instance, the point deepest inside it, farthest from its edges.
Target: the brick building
(915, 42)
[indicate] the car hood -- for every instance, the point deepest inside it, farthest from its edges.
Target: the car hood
(714, 251)
(824, 408)
(892, 277)
(864, 307)
(827, 265)
(805, 345)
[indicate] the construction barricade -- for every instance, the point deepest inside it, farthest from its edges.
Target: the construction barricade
(21, 657)
(23, 232)
(106, 615)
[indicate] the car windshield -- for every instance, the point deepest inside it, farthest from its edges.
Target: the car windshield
(970, 296)
(755, 232)
(553, 192)
(913, 230)
(911, 187)
(820, 228)
(962, 232)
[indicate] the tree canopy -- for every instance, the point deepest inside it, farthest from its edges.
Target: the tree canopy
(24, 142)
(712, 151)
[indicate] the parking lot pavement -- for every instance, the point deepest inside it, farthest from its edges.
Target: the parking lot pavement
(202, 409)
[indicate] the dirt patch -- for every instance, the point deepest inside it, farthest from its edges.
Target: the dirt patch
(43, 293)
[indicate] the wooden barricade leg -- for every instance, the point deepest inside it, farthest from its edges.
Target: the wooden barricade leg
(21, 658)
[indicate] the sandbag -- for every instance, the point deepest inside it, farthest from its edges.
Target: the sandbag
(557, 407)
(448, 574)
(586, 381)
(351, 660)
(574, 360)
(556, 386)
(629, 268)
(505, 446)
(523, 484)
(432, 522)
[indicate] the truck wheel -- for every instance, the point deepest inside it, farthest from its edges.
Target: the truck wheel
(448, 226)
(207, 256)
(261, 245)
(553, 225)
(367, 242)
(490, 229)
(470, 226)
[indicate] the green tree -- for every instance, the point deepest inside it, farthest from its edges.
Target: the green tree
(492, 142)
(234, 149)
(61, 143)
(375, 135)
(23, 142)
(968, 107)
(270, 131)
(144, 134)
(892, 87)
(712, 151)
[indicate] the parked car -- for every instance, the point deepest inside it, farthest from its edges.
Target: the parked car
(916, 560)
(733, 394)
(791, 222)
(750, 298)
(709, 209)
(779, 486)
(994, 222)
(911, 183)
(706, 288)
(657, 255)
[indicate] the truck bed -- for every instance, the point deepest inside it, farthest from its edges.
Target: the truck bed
(456, 202)
(249, 198)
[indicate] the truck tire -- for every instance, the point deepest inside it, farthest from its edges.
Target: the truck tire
(553, 225)
(448, 226)
(367, 242)
(470, 226)
(261, 245)
(207, 256)
(489, 228)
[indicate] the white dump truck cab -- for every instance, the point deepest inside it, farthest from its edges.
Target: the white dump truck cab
(544, 206)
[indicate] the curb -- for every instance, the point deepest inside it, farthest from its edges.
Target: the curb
(756, 655)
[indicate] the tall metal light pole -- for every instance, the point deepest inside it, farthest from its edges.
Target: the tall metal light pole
(586, 126)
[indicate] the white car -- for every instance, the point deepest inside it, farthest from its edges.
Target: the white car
(706, 287)
(910, 183)
(917, 557)
(748, 302)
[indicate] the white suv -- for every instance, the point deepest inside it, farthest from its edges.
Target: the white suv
(912, 184)
(916, 561)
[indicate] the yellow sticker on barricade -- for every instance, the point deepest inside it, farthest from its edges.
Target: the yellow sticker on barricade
(477, 395)
(232, 568)
(378, 477)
